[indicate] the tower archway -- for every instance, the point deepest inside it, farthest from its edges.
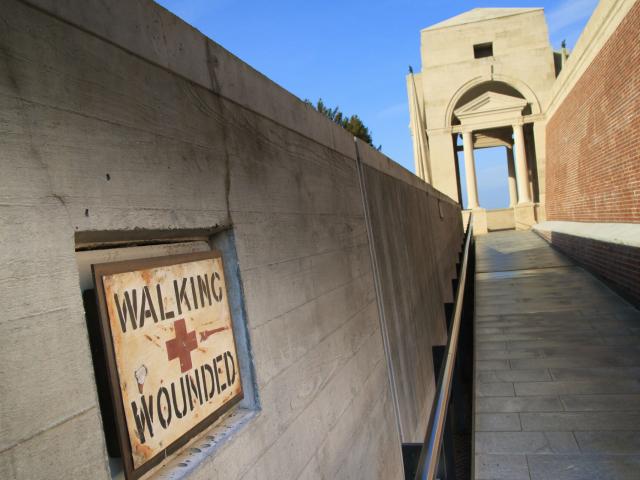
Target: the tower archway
(496, 83)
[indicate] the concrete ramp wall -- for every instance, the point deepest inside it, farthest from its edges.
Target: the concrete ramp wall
(122, 126)
(415, 261)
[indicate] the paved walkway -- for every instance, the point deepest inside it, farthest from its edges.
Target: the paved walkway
(557, 392)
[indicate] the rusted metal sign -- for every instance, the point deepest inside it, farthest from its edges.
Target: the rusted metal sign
(171, 354)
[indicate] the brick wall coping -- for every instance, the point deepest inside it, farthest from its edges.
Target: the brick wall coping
(617, 233)
(604, 20)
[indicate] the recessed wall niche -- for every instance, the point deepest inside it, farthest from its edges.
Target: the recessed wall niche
(118, 248)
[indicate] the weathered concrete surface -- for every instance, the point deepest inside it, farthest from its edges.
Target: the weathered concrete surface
(416, 260)
(123, 123)
(557, 392)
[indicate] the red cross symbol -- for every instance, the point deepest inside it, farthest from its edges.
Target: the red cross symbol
(181, 346)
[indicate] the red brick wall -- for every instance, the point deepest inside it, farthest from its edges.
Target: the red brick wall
(617, 264)
(593, 138)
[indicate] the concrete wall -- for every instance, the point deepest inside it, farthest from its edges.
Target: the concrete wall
(416, 262)
(121, 124)
(593, 134)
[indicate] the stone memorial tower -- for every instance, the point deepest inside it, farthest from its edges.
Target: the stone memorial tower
(486, 77)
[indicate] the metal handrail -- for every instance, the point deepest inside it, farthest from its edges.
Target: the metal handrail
(430, 453)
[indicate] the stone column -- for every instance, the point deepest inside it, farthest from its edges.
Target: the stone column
(470, 171)
(511, 168)
(522, 172)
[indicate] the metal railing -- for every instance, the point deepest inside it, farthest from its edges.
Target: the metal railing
(430, 453)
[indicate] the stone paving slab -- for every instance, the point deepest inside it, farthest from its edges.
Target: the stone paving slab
(583, 467)
(513, 375)
(495, 389)
(557, 367)
(579, 421)
(526, 442)
(594, 373)
(609, 442)
(519, 404)
(603, 403)
(586, 387)
(501, 467)
(497, 422)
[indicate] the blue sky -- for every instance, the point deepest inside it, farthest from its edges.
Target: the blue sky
(355, 54)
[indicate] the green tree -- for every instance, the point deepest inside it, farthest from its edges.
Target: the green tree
(352, 123)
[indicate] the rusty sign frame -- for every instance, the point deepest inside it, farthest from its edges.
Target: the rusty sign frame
(98, 271)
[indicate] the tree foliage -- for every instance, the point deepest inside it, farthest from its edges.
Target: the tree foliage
(352, 123)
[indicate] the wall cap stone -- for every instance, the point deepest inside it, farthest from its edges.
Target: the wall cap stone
(136, 25)
(627, 234)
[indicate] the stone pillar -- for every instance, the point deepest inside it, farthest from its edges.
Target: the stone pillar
(522, 172)
(470, 171)
(511, 168)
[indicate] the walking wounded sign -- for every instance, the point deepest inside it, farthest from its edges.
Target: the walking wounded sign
(171, 355)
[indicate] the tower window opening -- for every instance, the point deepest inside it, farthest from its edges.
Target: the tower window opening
(482, 50)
